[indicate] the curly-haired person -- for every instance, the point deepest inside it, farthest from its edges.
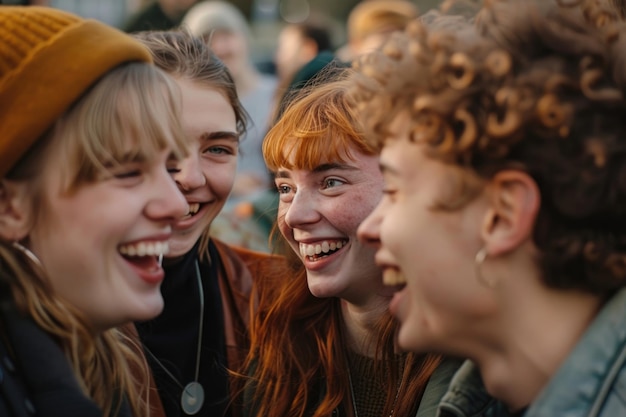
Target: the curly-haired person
(503, 154)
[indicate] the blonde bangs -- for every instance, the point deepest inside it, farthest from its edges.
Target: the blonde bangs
(133, 113)
(318, 127)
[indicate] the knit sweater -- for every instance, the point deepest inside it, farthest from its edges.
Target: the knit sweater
(369, 393)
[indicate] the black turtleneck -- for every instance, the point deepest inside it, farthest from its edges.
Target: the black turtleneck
(173, 336)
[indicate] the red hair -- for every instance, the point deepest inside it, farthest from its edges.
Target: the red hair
(297, 361)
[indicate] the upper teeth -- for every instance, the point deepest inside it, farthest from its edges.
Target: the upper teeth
(193, 208)
(393, 277)
(145, 249)
(324, 247)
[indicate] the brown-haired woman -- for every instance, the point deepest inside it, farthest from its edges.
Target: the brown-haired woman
(203, 329)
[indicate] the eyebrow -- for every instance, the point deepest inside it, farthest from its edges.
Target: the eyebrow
(220, 134)
(320, 168)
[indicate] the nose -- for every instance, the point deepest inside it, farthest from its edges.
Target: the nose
(302, 210)
(190, 175)
(369, 229)
(167, 203)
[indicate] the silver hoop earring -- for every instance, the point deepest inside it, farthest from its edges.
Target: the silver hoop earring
(479, 259)
(28, 253)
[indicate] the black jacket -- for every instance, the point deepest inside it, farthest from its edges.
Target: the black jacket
(35, 376)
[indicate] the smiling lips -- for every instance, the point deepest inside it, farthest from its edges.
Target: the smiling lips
(141, 249)
(143, 257)
(193, 209)
(319, 250)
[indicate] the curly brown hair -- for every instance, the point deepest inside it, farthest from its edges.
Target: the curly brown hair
(536, 86)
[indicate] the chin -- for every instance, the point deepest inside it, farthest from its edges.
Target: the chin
(181, 245)
(151, 310)
(320, 290)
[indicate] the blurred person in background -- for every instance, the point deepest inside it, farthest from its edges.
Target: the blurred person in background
(303, 49)
(159, 15)
(371, 22)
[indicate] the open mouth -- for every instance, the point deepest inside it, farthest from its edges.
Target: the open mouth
(394, 278)
(313, 252)
(144, 255)
(194, 208)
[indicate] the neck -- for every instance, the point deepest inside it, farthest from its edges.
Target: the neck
(535, 333)
(361, 324)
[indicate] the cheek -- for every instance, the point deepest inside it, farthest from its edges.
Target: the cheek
(280, 221)
(221, 177)
(358, 207)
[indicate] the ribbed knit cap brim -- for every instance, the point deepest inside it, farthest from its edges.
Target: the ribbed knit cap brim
(48, 59)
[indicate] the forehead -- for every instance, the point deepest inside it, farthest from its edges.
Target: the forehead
(357, 166)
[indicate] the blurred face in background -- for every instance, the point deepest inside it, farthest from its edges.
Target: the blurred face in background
(293, 52)
(231, 47)
(178, 7)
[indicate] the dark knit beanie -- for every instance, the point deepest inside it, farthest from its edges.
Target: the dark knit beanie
(48, 59)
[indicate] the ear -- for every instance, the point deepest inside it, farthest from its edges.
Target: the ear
(514, 201)
(14, 210)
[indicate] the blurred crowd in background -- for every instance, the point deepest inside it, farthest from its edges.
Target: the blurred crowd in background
(266, 17)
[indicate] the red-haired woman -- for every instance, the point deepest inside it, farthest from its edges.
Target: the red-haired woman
(325, 343)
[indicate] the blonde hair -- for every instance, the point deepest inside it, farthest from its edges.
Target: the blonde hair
(379, 16)
(134, 108)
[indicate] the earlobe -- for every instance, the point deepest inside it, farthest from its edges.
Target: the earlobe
(514, 204)
(14, 213)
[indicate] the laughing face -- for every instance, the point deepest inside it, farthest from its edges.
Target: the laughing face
(319, 213)
(206, 177)
(112, 232)
(430, 248)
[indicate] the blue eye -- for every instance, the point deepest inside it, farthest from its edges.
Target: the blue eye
(332, 182)
(220, 150)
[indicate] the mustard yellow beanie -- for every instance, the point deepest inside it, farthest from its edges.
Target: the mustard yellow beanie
(48, 59)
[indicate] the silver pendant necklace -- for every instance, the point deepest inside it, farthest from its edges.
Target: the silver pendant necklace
(192, 397)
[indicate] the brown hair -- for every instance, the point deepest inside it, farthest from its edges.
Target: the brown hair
(181, 54)
(533, 86)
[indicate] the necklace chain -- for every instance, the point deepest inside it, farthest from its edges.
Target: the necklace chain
(200, 330)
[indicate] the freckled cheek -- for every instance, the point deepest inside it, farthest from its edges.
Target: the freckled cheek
(357, 209)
